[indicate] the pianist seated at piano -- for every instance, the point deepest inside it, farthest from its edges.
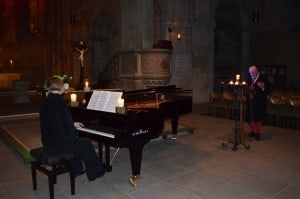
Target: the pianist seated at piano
(59, 133)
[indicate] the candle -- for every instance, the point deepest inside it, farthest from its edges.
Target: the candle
(120, 102)
(179, 36)
(86, 84)
(236, 83)
(231, 82)
(73, 97)
(244, 83)
(11, 62)
(237, 77)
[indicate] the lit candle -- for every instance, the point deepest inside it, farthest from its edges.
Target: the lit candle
(73, 97)
(120, 102)
(231, 82)
(11, 62)
(237, 77)
(244, 83)
(236, 83)
(86, 84)
(179, 36)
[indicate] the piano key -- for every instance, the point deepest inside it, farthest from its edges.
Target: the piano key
(96, 132)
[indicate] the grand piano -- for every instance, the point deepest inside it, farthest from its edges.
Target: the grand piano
(171, 100)
(147, 109)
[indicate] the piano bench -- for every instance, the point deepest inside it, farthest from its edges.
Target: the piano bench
(52, 165)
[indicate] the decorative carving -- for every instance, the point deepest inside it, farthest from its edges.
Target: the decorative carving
(164, 64)
(155, 63)
(150, 68)
(154, 82)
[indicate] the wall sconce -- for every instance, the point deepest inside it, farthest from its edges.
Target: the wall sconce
(178, 36)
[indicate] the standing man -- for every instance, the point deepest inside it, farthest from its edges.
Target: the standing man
(258, 89)
(59, 134)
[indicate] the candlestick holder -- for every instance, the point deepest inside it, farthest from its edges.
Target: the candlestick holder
(238, 137)
(11, 66)
(74, 104)
(87, 89)
(121, 110)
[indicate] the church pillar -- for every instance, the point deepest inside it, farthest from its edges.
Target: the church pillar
(245, 46)
(203, 57)
(9, 14)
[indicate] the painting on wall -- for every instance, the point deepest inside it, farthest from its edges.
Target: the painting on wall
(276, 75)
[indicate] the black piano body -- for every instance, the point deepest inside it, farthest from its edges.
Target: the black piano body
(131, 130)
(172, 101)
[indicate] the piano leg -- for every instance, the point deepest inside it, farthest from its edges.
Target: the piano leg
(136, 161)
(107, 158)
(107, 155)
(174, 123)
(100, 152)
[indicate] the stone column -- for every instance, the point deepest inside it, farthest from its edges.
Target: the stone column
(203, 57)
(245, 46)
(21, 87)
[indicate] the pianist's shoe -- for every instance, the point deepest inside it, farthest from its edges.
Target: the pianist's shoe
(100, 174)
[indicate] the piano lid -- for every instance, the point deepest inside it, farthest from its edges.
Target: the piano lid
(152, 93)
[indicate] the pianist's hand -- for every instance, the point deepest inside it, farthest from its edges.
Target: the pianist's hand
(78, 124)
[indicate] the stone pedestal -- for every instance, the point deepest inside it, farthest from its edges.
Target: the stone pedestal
(21, 87)
(144, 68)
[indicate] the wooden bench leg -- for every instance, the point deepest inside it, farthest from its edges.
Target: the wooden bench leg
(72, 181)
(33, 174)
(54, 167)
(51, 182)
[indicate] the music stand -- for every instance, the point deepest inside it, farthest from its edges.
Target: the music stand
(238, 137)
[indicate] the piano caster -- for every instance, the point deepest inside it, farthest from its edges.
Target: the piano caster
(174, 137)
(133, 180)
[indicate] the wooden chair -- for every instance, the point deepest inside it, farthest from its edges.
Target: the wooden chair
(293, 113)
(229, 105)
(52, 165)
(276, 111)
(214, 101)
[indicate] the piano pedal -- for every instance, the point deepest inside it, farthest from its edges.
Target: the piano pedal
(133, 180)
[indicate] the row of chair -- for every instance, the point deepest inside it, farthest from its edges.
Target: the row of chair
(223, 104)
(282, 111)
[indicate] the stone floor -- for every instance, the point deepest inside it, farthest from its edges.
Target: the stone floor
(193, 166)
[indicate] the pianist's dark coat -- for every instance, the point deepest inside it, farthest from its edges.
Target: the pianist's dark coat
(59, 135)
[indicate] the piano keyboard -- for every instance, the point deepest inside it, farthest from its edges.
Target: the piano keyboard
(96, 132)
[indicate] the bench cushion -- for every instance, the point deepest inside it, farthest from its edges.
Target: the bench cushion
(42, 155)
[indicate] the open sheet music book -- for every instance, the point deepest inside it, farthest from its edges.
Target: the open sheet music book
(102, 100)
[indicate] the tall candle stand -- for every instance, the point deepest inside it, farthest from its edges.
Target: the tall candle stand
(11, 68)
(238, 137)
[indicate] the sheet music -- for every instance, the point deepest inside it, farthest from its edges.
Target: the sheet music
(104, 100)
